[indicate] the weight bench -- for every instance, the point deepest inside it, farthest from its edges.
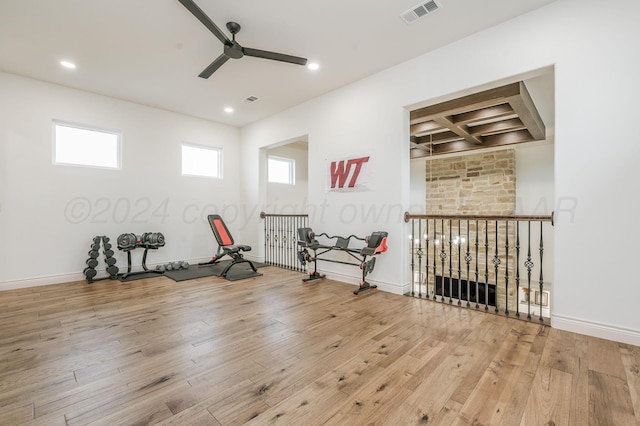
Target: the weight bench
(375, 243)
(227, 247)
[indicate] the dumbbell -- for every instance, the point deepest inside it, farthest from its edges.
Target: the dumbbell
(93, 254)
(127, 241)
(109, 253)
(91, 262)
(96, 240)
(107, 246)
(89, 272)
(160, 268)
(110, 261)
(95, 246)
(112, 270)
(184, 264)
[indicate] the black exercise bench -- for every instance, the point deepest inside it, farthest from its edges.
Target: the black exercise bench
(376, 243)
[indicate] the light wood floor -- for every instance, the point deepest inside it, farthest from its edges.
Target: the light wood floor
(271, 350)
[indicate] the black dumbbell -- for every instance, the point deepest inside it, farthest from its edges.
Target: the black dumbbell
(96, 240)
(110, 261)
(107, 246)
(92, 263)
(108, 253)
(127, 241)
(112, 270)
(89, 272)
(93, 254)
(95, 246)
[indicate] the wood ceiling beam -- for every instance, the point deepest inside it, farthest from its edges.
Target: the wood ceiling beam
(461, 131)
(497, 127)
(426, 127)
(493, 112)
(443, 137)
(525, 108)
(503, 139)
(466, 103)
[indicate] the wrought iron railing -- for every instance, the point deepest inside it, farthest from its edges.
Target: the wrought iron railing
(494, 263)
(280, 239)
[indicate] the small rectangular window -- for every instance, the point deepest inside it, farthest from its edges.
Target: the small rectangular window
(281, 170)
(201, 161)
(78, 145)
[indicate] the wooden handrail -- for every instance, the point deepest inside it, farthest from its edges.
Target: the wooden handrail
(263, 215)
(408, 216)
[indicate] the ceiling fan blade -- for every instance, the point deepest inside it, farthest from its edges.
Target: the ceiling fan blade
(275, 56)
(213, 67)
(202, 17)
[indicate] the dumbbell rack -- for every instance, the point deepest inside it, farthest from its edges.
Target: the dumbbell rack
(148, 241)
(92, 262)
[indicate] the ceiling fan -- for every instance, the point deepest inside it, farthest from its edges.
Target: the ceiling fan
(233, 49)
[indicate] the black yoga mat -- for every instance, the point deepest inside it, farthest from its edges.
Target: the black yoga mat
(237, 272)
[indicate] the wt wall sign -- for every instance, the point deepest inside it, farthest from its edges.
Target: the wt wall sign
(347, 175)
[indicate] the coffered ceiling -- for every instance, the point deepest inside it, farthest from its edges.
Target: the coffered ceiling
(500, 116)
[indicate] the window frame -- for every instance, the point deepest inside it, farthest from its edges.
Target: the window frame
(216, 149)
(292, 169)
(55, 144)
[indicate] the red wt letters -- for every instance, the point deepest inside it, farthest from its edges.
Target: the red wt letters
(340, 171)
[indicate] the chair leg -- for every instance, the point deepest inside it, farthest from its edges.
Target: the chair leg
(236, 262)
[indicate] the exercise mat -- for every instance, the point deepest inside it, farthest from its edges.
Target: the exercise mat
(137, 276)
(237, 272)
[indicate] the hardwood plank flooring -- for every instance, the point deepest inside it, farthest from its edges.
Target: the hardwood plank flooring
(272, 350)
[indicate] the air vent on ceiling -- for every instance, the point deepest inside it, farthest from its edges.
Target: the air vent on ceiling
(420, 10)
(251, 99)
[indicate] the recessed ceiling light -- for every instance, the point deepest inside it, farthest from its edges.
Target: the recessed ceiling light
(68, 64)
(228, 110)
(313, 66)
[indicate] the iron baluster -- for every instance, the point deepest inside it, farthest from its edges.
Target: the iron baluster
(517, 269)
(529, 265)
(426, 262)
(266, 239)
(419, 258)
(541, 282)
(506, 269)
(450, 266)
(459, 267)
(443, 257)
(413, 256)
(486, 265)
(435, 267)
(496, 265)
(477, 290)
(467, 259)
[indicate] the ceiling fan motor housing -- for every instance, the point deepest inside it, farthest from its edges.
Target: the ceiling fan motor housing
(233, 50)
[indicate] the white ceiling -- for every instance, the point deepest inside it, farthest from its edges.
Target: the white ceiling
(151, 51)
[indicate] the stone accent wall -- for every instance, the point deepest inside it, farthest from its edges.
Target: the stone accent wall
(472, 184)
(476, 184)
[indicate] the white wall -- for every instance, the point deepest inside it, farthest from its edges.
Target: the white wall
(49, 213)
(418, 186)
(535, 196)
(290, 199)
(594, 55)
(535, 179)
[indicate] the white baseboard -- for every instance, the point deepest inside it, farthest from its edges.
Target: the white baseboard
(79, 276)
(40, 281)
(604, 331)
(350, 279)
